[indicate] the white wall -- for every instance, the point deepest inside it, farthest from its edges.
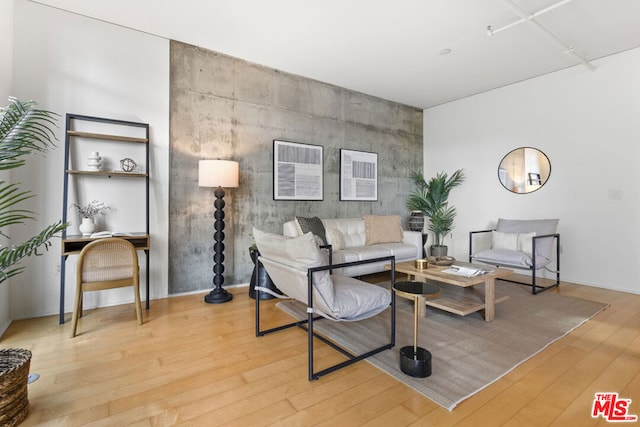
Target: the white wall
(6, 82)
(69, 63)
(588, 124)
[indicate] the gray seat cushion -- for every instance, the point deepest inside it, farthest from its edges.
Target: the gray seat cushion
(510, 258)
(357, 300)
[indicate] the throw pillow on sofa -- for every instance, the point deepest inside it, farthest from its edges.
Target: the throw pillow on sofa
(313, 225)
(382, 229)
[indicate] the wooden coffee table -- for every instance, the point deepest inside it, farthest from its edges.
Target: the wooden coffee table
(464, 301)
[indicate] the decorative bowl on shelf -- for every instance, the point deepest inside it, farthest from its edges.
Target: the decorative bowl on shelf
(442, 260)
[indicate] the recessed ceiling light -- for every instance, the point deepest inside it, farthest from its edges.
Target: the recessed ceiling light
(444, 52)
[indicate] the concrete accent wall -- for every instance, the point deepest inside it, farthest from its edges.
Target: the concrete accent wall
(227, 108)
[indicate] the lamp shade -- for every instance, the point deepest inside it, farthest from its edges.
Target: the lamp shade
(218, 173)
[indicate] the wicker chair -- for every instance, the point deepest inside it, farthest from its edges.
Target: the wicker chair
(106, 264)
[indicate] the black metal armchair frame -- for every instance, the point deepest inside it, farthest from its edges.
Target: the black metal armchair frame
(535, 288)
(307, 324)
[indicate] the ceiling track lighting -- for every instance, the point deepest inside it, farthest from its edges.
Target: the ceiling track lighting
(491, 31)
(530, 19)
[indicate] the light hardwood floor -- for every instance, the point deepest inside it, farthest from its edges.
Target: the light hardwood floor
(198, 364)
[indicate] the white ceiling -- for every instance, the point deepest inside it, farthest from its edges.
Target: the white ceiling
(389, 49)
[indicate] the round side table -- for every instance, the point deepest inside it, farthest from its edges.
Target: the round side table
(414, 360)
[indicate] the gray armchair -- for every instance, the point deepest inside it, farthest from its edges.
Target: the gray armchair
(298, 267)
(520, 244)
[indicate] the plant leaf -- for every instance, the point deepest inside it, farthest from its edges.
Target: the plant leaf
(11, 255)
(23, 131)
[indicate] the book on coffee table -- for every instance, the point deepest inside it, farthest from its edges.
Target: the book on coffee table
(465, 271)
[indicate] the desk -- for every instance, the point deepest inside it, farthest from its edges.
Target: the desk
(73, 244)
(414, 360)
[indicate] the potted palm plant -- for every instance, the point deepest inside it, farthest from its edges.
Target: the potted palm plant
(432, 199)
(23, 130)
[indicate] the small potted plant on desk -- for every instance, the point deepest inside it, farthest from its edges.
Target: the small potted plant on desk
(432, 198)
(88, 213)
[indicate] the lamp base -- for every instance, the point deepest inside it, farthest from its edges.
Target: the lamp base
(218, 296)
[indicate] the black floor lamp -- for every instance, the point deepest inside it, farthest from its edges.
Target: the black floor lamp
(218, 174)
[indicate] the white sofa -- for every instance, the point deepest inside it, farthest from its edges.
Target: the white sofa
(350, 245)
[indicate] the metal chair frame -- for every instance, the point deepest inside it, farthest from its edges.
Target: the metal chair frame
(535, 289)
(307, 324)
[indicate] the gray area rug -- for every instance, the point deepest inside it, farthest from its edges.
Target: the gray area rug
(468, 354)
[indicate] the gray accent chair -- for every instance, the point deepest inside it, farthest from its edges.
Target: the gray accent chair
(520, 244)
(301, 270)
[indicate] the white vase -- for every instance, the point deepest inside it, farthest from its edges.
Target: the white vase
(94, 162)
(87, 226)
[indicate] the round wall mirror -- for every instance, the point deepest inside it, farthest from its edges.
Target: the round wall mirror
(524, 170)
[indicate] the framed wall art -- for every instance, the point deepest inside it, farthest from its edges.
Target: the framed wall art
(297, 171)
(534, 179)
(358, 175)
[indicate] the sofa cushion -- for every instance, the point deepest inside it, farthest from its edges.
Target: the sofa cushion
(313, 225)
(400, 250)
(352, 230)
(382, 229)
(335, 239)
(358, 254)
(510, 258)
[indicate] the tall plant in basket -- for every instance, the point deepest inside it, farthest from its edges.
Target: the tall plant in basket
(24, 130)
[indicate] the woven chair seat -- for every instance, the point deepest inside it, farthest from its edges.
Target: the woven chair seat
(106, 264)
